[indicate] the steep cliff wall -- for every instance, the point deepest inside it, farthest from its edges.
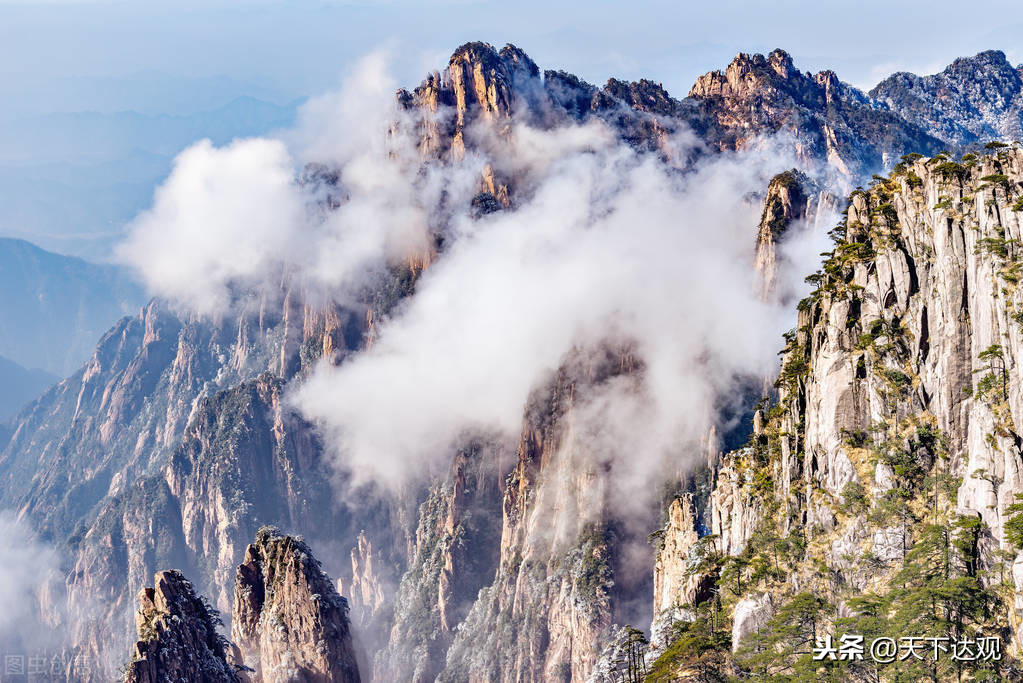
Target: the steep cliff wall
(454, 556)
(894, 439)
(551, 605)
(121, 415)
(794, 201)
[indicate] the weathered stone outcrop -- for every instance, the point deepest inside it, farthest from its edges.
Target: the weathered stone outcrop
(245, 459)
(479, 83)
(673, 584)
(681, 578)
(123, 413)
(749, 616)
(902, 363)
(370, 591)
(177, 636)
(897, 413)
(938, 285)
(172, 446)
(734, 512)
(934, 289)
(288, 622)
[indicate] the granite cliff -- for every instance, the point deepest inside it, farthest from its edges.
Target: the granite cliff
(173, 446)
(288, 621)
(178, 638)
(893, 439)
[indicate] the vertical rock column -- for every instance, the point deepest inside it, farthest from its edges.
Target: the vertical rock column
(289, 622)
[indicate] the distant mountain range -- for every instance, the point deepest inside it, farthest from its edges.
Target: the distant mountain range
(20, 385)
(54, 308)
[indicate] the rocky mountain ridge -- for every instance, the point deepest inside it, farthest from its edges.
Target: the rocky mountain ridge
(173, 446)
(178, 637)
(976, 99)
(830, 124)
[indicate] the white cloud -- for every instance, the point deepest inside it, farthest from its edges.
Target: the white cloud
(224, 216)
(235, 218)
(29, 579)
(613, 245)
(602, 243)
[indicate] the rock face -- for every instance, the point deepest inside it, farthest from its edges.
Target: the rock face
(750, 615)
(244, 461)
(173, 445)
(479, 83)
(125, 411)
(681, 579)
(178, 638)
(734, 515)
(937, 272)
(671, 579)
(945, 271)
(370, 592)
(455, 554)
(975, 99)
(549, 610)
(288, 622)
(903, 366)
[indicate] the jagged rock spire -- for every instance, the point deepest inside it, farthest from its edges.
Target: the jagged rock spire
(178, 639)
(289, 622)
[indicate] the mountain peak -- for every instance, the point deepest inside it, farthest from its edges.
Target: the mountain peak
(781, 62)
(748, 73)
(177, 635)
(280, 581)
(512, 55)
(475, 51)
(993, 57)
(975, 99)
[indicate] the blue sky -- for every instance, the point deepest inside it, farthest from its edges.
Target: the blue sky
(294, 48)
(69, 69)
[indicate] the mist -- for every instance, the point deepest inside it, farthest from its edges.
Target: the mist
(602, 244)
(31, 592)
